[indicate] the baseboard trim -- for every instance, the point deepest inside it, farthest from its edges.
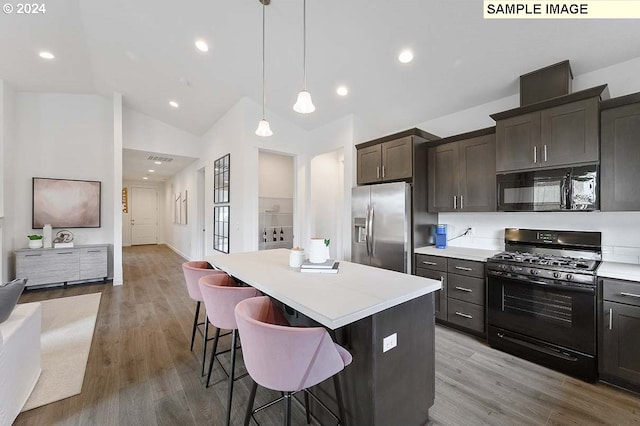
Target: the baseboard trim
(178, 252)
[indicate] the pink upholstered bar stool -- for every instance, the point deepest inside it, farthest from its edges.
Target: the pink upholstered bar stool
(221, 294)
(286, 359)
(193, 271)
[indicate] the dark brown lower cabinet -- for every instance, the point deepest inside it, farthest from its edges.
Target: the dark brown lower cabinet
(440, 295)
(619, 347)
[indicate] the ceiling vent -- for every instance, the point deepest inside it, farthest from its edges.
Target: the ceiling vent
(156, 158)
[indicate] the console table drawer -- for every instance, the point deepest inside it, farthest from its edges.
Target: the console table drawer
(93, 263)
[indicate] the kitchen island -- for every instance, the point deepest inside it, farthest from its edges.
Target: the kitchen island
(362, 305)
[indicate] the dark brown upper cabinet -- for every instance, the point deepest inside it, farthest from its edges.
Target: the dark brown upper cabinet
(620, 152)
(562, 131)
(392, 157)
(462, 173)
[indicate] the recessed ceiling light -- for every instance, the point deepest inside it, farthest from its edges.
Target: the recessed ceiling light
(174, 104)
(151, 170)
(342, 91)
(145, 178)
(46, 55)
(157, 162)
(202, 45)
(405, 56)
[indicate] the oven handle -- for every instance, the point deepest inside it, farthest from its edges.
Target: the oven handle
(580, 289)
(548, 351)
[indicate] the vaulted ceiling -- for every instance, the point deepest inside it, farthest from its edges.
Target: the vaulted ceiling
(145, 50)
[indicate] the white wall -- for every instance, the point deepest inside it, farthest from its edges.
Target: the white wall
(7, 178)
(182, 238)
(145, 133)
(63, 136)
(275, 175)
(620, 231)
(327, 198)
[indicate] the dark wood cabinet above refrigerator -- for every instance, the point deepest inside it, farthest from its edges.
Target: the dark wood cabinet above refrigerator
(462, 173)
(559, 132)
(620, 153)
(393, 157)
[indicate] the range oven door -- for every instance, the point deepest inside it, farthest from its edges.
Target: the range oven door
(550, 324)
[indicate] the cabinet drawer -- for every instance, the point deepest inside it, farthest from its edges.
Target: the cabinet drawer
(468, 289)
(438, 263)
(466, 267)
(48, 267)
(627, 292)
(466, 315)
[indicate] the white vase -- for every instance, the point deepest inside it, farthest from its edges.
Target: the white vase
(318, 251)
(35, 244)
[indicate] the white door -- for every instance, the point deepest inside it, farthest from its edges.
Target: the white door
(144, 216)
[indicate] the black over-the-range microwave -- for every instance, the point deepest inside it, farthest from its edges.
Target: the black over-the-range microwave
(572, 188)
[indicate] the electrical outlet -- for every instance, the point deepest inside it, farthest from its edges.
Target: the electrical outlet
(389, 342)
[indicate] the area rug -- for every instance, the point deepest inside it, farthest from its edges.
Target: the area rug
(67, 331)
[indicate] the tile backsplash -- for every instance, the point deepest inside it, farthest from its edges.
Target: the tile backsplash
(620, 230)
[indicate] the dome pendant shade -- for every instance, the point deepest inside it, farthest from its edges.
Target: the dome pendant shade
(263, 128)
(304, 105)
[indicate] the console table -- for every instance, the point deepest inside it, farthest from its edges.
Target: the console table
(62, 265)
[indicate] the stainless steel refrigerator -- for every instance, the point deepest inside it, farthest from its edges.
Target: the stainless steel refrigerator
(381, 226)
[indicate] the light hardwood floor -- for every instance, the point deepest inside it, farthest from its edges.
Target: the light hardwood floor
(141, 372)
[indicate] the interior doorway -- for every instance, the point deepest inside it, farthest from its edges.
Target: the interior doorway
(276, 202)
(144, 216)
(327, 199)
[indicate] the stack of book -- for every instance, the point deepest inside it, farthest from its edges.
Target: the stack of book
(328, 267)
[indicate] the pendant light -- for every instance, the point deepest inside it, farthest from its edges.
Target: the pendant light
(263, 126)
(304, 105)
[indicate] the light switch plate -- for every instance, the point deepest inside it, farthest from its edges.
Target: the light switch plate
(389, 342)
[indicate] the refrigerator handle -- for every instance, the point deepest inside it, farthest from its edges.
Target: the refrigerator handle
(366, 230)
(370, 229)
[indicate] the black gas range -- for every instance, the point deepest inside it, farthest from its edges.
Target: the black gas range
(542, 298)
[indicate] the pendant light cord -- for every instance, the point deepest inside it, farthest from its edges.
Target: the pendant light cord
(263, 91)
(304, 44)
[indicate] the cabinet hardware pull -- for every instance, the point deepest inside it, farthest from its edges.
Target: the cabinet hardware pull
(32, 255)
(610, 318)
(468, 290)
(535, 154)
(545, 152)
(66, 252)
(429, 263)
(378, 172)
(464, 268)
(455, 202)
(383, 172)
(93, 251)
(460, 314)
(629, 294)
(461, 203)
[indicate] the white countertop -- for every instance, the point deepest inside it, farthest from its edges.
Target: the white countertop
(479, 255)
(334, 300)
(621, 271)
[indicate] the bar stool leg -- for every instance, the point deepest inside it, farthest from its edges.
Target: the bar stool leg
(195, 325)
(234, 336)
(213, 354)
(306, 406)
(204, 342)
(339, 400)
(252, 398)
(287, 413)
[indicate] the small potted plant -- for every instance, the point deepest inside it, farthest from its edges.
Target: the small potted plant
(35, 241)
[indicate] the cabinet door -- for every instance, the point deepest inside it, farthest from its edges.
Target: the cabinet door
(443, 177)
(619, 171)
(477, 174)
(93, 263)
(397, 159)
(517, 140)
(440, 295)
(369, 163)
(569, 134)
(621, 346)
